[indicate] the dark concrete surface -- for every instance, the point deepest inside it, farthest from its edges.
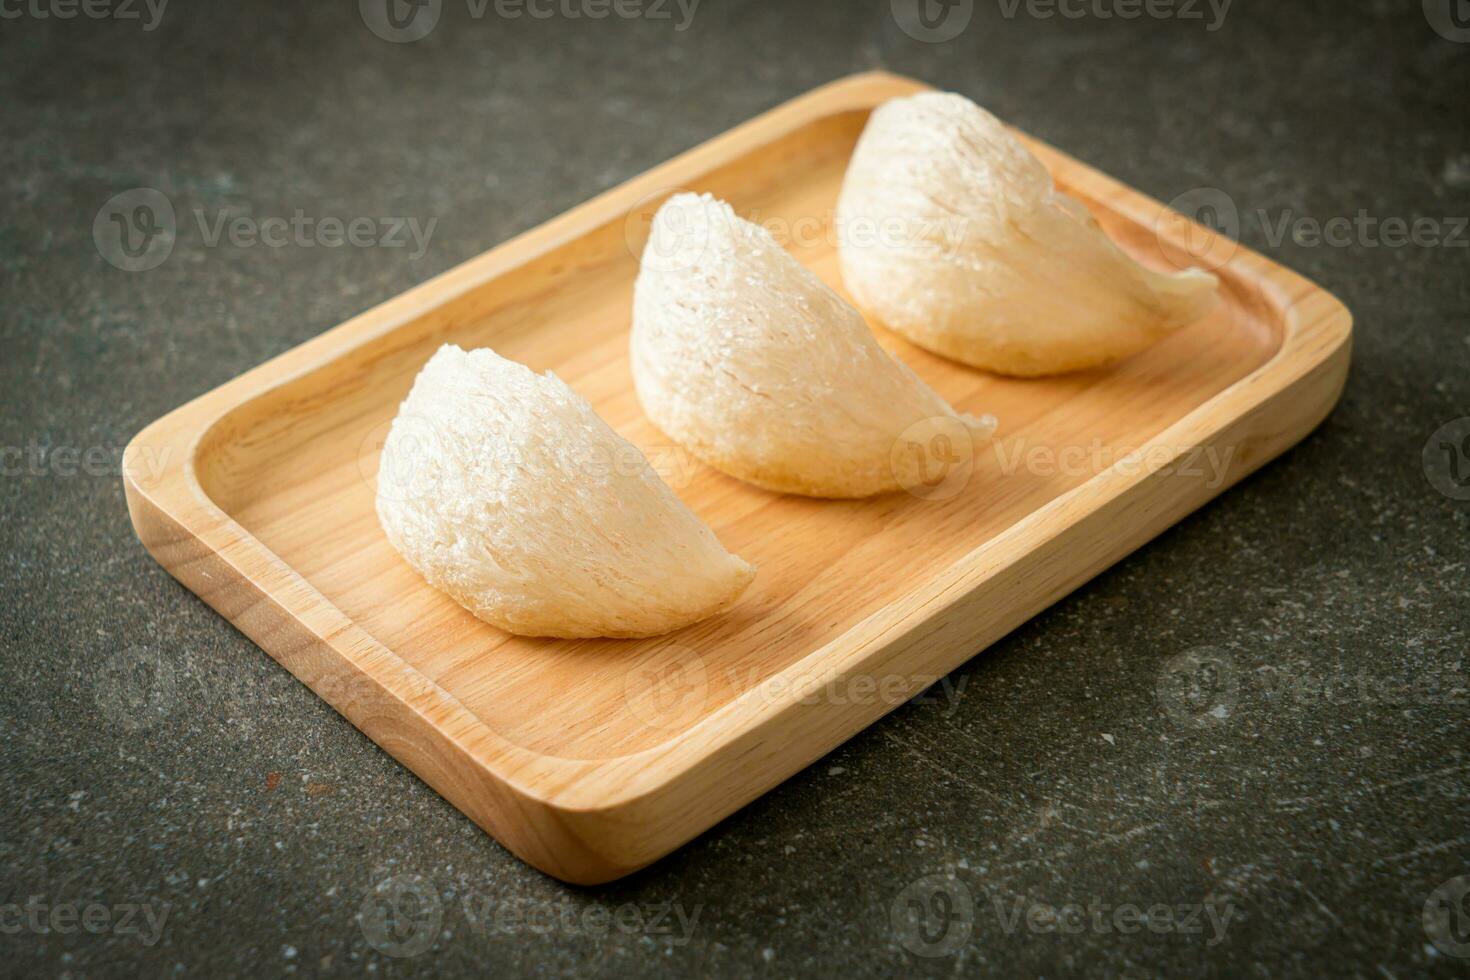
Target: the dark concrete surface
(175, 804)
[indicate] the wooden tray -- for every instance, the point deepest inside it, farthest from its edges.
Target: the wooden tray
(590, 759)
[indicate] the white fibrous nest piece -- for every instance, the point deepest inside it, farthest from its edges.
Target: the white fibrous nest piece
(751, 363)
(953, 235)
(504, 489)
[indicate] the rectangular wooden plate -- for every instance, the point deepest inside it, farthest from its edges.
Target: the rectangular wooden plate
(592, 758)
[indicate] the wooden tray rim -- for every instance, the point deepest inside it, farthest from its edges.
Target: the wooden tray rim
(607, 787)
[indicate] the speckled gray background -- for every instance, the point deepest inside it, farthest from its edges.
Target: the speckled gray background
(156, 762)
